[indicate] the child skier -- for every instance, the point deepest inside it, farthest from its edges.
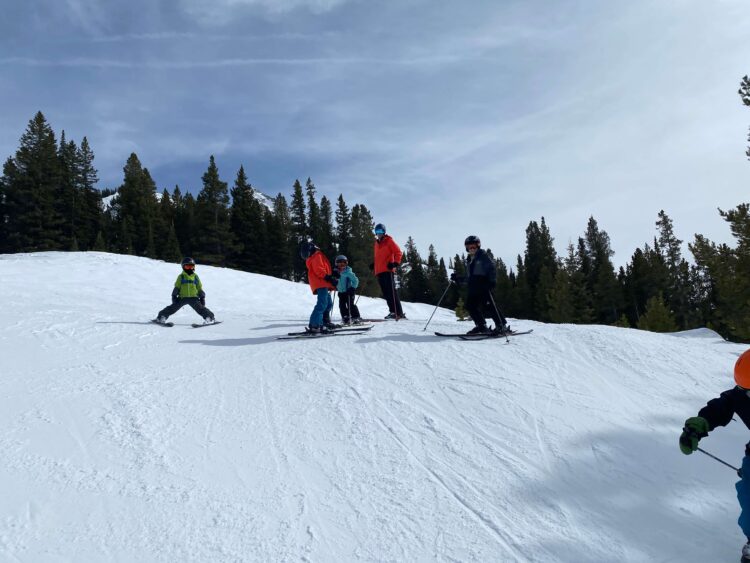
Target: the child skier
(481, 280)
(322, 282)
(719, 412)
(347, 284)
(188, 290)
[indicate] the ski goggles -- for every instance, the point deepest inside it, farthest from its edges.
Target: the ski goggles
(471, 247)
(379, 232)
(189, 267)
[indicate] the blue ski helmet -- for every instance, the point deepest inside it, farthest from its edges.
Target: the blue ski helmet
(341, 258)
(306, 249)
(380, 229)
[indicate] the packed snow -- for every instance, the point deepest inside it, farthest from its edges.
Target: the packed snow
(126, 441)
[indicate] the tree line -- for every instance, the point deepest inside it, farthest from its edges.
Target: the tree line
(49, 201)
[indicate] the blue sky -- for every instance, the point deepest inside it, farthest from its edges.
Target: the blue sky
(444, 118)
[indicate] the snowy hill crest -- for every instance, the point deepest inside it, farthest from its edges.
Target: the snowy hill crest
(125, 441)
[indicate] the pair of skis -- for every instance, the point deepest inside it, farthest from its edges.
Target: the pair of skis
(485, 336)
(194, 325)
(341, 331)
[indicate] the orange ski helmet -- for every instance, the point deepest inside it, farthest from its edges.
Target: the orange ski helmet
(742, 370)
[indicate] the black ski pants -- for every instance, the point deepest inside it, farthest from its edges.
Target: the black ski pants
(347, 308)
(194, 302)
(385, 279)
(479, 302)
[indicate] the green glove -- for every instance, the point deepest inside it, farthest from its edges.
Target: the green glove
(696, 427)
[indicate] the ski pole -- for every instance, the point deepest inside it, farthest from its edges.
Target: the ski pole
(333, 302)
(492, 300)
(450, 283)
(739, 471)
(396, 302)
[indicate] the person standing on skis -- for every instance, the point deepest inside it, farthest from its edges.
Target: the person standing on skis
(480, 279)
(188, 290)
(322, 282)
(387, 258)
(347, 285)
(719, 412)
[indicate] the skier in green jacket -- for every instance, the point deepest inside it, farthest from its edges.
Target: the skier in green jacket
(188, 290)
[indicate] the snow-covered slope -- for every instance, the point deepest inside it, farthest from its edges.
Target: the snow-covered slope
(125, 441)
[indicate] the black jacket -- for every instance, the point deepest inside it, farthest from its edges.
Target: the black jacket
(481, 270)
(719, 411)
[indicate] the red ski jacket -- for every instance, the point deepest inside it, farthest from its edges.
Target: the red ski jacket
(318, 267)
(386, 250)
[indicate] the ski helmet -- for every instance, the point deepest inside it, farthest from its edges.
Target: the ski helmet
(742, 370)
(341, 258)
(380, 229)
(306, 249)
(188, 263)
(473, 239)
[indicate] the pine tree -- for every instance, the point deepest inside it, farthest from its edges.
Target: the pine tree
(361, 250)
(416, 286)
(437, 281)
(213, 237)
(657, 317)
(623, 321)
(521, 298)
(456, 293)
(560, 299)
(744, 93)
(9, 172)
(66, 196)
(602, 281)
(184, 220)
(677, 290)
(134, 208)
(644, 277)
(99, 244)
(90, 212)
(461, 311)
(279, 226)
(326, 236)
(503, 287)
(247, 226)
(163, 224)
(726, 271)
(299, 231)
(171, 249)
(31, 182)
(314, 217)
(343, 226)
(540, 266)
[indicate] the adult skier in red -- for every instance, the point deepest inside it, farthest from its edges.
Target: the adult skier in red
(387, 258)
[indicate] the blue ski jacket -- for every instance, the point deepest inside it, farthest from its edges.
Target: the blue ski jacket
(347, 279)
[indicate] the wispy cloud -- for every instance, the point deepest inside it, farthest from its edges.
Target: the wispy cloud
(220, 11)
(84, 62)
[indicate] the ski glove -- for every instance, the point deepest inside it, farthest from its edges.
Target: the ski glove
(175, 295)
(203, 301)
(330, 279)
(392, 265)
(696, 427)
